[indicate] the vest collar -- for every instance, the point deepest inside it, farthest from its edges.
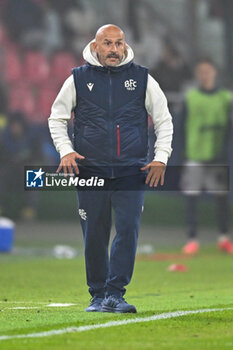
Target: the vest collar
(106, 69)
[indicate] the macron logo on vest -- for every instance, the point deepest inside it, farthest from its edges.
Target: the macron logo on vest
(90, 86)
(130, 84)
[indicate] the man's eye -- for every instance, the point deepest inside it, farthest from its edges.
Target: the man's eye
(108, 44)
(119, 44)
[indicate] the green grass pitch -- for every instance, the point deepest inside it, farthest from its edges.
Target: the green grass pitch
(37, 282)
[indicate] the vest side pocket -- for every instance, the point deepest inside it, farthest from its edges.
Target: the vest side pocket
(78, 138)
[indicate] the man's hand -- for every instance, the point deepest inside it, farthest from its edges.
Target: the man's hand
(69, 162)
(156, 173)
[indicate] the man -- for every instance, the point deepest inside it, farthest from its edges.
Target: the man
(111, 97)
(207, 121)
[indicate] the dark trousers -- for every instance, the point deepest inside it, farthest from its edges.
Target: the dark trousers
(109, 275)
(222, 214)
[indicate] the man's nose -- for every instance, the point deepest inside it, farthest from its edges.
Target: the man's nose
(113, 48)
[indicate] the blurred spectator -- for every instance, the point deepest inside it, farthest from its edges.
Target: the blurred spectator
(62, 6)
(171, 72)
(53, 36)
(206, 132)
(79, 22)
(18, 147)
(33, 24)
(23, 19)
(133, 21)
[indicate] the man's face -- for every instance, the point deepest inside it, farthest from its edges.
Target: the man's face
(206, 75)
(110, 47)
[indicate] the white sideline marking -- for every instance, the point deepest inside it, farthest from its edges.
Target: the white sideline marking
(22, 308)
(22, 302)
(59, 305)
(163, 316)
(36, 307)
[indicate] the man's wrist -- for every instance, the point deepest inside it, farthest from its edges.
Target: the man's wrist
(161, 157)
(65, 149)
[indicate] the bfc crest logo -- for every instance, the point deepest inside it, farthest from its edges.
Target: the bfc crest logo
(35, 178)
(130, 84)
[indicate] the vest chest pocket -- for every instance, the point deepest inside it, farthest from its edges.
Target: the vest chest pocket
(93, 141)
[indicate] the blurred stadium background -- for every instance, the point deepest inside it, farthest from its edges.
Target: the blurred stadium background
(41, 40)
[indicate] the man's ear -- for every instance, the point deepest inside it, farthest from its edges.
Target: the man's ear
(125, 49)
(94, 46)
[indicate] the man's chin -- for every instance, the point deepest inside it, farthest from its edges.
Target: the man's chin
(112, 63)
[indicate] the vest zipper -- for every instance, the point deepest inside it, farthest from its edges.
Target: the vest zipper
(110, 115)
(118, 141)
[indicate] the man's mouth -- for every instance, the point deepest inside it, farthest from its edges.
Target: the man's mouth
(113, 56)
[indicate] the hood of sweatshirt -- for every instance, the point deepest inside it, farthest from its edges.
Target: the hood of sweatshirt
(90, 56)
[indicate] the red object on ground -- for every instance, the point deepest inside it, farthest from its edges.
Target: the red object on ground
(178, 267)
(226, 246)
(191, 248)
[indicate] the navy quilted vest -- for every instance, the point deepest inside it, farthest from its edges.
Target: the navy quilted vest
(110, 124)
